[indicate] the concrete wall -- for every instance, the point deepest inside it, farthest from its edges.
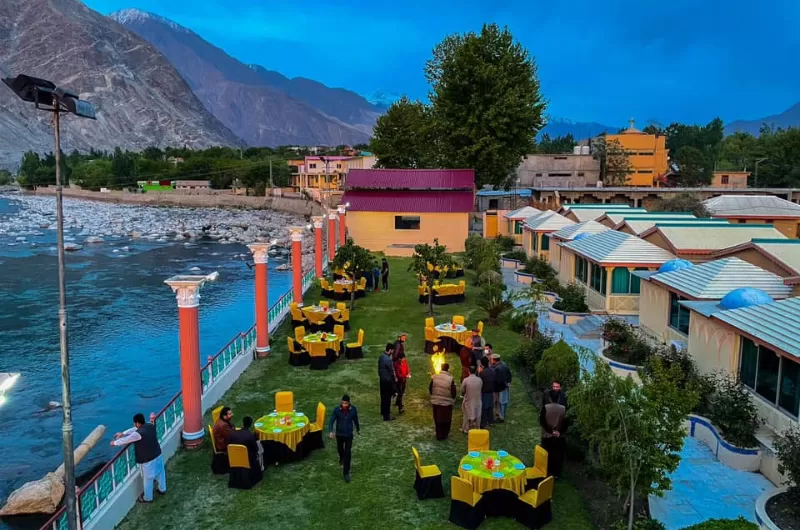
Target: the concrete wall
(200, 200)
(562, 170)
(735, 179)
(375, 230)
(566, 265)
(713, 346)
(654, 310)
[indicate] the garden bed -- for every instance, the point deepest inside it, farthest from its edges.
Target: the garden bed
(622, 369)
(775, 510)
(742, 458)
(565, 317)
(509, 263)
(525, 278)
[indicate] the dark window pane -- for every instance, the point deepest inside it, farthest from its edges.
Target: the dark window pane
(620, 281)
(603, 280)
(636, 284)
(517, 227)
(683, 320)
(545, 242)
(789, 398)
(767, 379)
(674, 310)
(747, 367)
(406, 222)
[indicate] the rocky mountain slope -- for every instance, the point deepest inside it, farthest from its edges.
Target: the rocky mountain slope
(141, 99)
(788, 118)
(261, 106)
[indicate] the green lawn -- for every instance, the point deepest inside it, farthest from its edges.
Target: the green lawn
(311, 494)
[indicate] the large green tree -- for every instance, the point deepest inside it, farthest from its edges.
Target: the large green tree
(557, 145)
(486, 103)
(615, 166)
(403, 137)
(694, 167)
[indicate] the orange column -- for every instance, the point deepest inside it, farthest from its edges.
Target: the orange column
(297, 264)
(342, 224)
(260, 258)
(319, 222)
(187, 293)
(331, 235)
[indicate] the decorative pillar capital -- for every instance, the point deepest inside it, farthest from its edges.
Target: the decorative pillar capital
(332, 215)
(318, 221)
(342, 209)
(187, 288)
(260, 252)
(296, 233)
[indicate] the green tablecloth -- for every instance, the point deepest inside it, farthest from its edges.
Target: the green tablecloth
(269, 428)
(482, 478)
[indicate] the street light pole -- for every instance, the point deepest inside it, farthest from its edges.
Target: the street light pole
(66, 398)
(755, 176)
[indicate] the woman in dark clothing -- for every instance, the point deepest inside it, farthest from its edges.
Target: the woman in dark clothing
(385, 274)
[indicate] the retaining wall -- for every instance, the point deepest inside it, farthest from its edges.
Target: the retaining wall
(745, 459)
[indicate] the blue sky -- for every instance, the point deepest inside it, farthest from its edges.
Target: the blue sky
(600, 60)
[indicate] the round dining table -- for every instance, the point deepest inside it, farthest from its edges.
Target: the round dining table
(316, 313)
(493, 470)
(287, 428)
(456, 332)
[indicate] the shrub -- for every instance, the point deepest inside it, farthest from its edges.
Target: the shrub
(529, 352)
(494, 302)
(732, 410)
(624, 343)
(642, 523)
(521, 320)
(506, 243)
(490, 278)
(573, 299)
(691, 381)
(558, 362)
(518, 255)
(724, 524)
(481, 254)
(787, 446)
(539, 268)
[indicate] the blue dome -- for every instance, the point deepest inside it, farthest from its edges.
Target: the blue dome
(675, 265)
(581, 236)
(745, 297)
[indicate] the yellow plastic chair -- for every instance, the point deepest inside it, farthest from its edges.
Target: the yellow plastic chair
(480, 328)
(424, 471)
(294, 305)
(319, 423)
(284, 401)
(430, 323)
(215, 414)
(478, 440)
(428, 480)
(432, 342)
(317, 349)
(341, 306)
(458, 319)
(292, 347)
(539, 469)
(461, 491)
(299, 334)
(360, 341)
(237, 456)
(343, 316)
(539, 496)
(325, 304)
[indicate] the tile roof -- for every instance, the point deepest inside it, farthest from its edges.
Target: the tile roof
(612, 247)
(409, 201)
(568, 233)
(521, 214)
(776, 324)
(767, 206)
(548, 221)
(410, 179)
(643, 224)
(700, 239)
(714, 279)
(704, 307)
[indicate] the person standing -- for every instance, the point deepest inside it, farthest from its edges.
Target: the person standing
(502, 387)
(471, 390)
(385, 274)
(386, 379)
(147, 452)
(487, 393)
(556, 394)
(399, 346)
(443, 394)
(402, 374)
(478, 344)
(376, 277)
(465, 355)
(345, 417)
(223, 429)
(552, 419)
(246, 437)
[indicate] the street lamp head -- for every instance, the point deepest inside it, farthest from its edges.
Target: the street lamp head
(42, 92)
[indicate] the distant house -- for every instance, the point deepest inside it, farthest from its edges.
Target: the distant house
(537, 230)
(697, 242)
(489, 199)
(192, 184)
(175, 160)
(326, 172)
(757, 209)
(559, 171)
(779, 256)
(391, 210)
(730, 179)
(647, 155)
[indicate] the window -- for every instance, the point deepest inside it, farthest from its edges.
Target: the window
(581, 269)
(678, 315)
(623, 282)
(338, 166)
(534, 242)
(559, 174)
(545, 242)
(518, 227)
(580, 174)
(645, 153)
(312, 166)
(647, 171)
(598, 279)
(493, 204)
(559, 158)
(406, 222)
(741, 221)
(725, 179)
(538, 174)
(775, 378)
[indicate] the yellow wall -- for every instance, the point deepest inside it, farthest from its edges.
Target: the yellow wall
(375, 230)
(788, 227)
(527, 242)
(555, 254)
(647, 166)
(712, 346)
(566, 266)
(735, 179)
(490, 225)
(654, 310)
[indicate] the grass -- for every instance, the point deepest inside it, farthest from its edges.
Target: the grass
(311, 494)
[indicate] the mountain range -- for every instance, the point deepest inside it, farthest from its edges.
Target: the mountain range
(788, 118)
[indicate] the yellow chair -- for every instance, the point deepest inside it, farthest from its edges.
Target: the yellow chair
(428, 482)
(341, 306)
(299, 334)
(338, 330)
(458, 319)
(430, 323)
(284, 401)
(298, 318)
(219, 461)
(318, 355)
(478, 440)
(237, 456)
(465, 508)
(241, 475)
(319, 422)
(355, 350)
(215, 414)
(539, 469)
(325, 304)
(480, 328)
(431, 340)
(315, 439)
(535, 510)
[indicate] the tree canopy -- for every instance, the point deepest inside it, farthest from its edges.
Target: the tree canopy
(425, 260)
(557, 145)
(355, 261)
(614, 162)
(403, 137)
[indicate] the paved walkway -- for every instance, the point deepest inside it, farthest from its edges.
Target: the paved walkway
(702, 487)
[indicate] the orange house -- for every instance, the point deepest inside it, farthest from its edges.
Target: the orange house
(647, 154)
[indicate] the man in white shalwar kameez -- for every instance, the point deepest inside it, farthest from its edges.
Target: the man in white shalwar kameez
(147, 451)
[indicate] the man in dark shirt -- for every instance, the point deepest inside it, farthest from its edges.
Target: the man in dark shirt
(222, 430)
(399, 347)
(345, 418)
(552, 419)
(247, 438)
(487, 375)
(386, 377)
(502, 383)
(385, 274)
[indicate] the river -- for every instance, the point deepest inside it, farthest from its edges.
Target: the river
(123, 336)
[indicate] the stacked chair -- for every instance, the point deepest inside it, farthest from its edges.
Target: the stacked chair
(428, 482)
(219, 462)
(315, 439)
(466, 509)
(355, 350)
(241, 475)
(297, 356)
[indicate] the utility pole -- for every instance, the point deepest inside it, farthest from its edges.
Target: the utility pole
(755, 176)
(270, 175)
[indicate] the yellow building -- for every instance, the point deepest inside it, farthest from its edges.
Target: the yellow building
(757, 209)
(537, 230)
(779, 256)
(392, 210)
(698, 242)
(326, 172)
(730, 179)
(603, 264)
(661, 315)
(647, 153)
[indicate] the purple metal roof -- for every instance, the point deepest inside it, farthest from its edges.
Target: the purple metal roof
(411, 179)
(409, 201)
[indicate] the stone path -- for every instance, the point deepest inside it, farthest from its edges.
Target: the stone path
(702, 487)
